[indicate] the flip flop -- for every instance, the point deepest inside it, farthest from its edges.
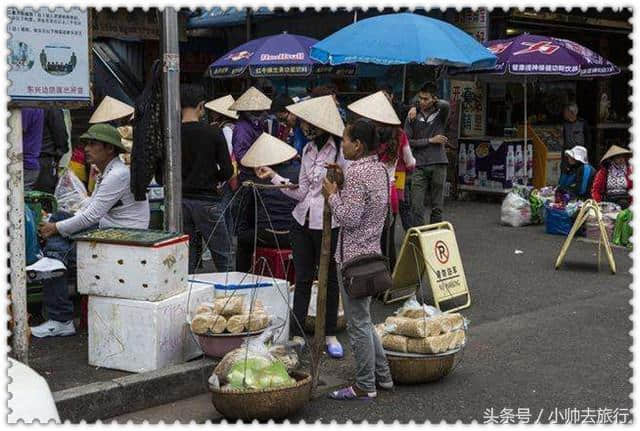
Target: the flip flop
(349, 394)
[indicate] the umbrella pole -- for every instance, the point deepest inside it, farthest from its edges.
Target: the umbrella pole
(526, 119)
(404, 81)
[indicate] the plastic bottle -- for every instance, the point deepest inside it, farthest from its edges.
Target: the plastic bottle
(471, 161)
(519, 168)
(510, 164)
(462, 161)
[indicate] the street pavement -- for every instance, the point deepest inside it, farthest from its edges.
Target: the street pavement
(543, 345)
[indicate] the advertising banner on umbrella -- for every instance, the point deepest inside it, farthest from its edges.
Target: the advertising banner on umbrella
(49, 59)
(279, 55)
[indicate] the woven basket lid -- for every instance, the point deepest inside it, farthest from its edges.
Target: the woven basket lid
(126, 132)
(221, 106)
(321, 112)
(376, 107)
(268, 150)
(615, 151)
(110, 109)
(252, 100)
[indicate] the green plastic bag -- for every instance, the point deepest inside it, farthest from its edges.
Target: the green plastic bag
(537, 205)
(260, 374)
(622, 231)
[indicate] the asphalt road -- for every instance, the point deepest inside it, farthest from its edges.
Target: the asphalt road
(543, 345)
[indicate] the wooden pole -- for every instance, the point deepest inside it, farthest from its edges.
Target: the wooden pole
(321, 305)
(20, 339)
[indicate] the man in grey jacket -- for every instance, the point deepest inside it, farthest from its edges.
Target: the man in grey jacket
(426, 133)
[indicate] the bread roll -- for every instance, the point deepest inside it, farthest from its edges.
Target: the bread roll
(380, 330)
(450, 322)
(217, 324)
(236, 324)
(229, 305)
(416, 328)
(396, 343)
(435, 344)
(205, 307)
(457, 340)
(200, 324)
(257, 321)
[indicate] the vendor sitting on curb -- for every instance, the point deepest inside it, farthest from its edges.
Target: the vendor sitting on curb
(613, 179)
(111, 205)
(578, 175)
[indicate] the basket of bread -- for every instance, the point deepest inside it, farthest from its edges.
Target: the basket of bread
(422, 343)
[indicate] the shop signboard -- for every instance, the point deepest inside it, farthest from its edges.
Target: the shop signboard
(470, 95)
(49, 57)
(492, 165)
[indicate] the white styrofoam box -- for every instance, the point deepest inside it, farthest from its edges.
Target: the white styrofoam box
(131, 272)
(274, 293)
(140, 336)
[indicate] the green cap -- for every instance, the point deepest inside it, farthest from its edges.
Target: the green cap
(104, 133)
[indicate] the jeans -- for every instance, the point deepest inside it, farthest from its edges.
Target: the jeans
(305, 244)
(56, 290)
(371, 362)
(30, 177)
(227, 195)
(265, 239)
(427, 184)
(206, 217)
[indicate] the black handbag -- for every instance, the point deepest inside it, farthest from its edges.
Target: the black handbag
(366, 275)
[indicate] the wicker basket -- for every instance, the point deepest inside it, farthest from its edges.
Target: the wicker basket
(426, 369)
(264, 404)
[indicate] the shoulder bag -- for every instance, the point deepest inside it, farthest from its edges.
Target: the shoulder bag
(366, 275)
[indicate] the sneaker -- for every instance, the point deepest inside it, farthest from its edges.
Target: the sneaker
(385, 386)
(53, 328)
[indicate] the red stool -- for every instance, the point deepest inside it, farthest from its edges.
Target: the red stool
(274, 262)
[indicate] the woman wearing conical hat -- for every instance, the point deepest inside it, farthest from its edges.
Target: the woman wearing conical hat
(393, 151)
(251, 107)
(613, 180)
(265, 220)
(323, 128)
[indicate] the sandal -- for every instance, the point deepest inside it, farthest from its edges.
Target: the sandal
(349, 394)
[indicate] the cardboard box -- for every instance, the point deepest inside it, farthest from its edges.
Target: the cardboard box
(140, 336)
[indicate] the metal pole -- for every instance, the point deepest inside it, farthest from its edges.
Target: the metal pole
(248, 24)
(404, 82)
(526, 119)
(20, 339)
(355, 15)
(171, 121)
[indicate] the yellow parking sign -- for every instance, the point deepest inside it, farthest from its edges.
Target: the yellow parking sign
(431, 253)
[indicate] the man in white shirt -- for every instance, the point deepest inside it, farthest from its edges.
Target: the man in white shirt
(111, 205)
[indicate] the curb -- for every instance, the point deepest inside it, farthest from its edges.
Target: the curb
(103, 400)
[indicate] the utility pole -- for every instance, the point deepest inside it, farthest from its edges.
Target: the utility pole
(20, 339)
(171, 121)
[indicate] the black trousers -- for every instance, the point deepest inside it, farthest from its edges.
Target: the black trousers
(246, 239)
(389, 249)
(48, 177)
(305, 244)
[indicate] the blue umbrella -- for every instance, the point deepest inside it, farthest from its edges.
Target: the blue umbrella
(402, 38)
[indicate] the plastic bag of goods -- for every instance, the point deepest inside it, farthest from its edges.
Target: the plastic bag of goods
(231, 314)
(286, 354)
(557, 220)
(515, 211)
(623, 231)
(70, 192)
(251, 366)
(537, 208)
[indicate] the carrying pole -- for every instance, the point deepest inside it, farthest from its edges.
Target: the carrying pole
(526, 127)
(171, 121)
(20, 337)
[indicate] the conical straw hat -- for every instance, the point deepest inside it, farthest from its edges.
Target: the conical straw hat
(126, 133)
(110, 109)
(267, 150)
(615, 151)
(322, 112)
(376, 107)
(221, 106)
(252, 100)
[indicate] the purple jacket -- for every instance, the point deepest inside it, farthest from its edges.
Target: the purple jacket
(32, 130)
(245, 134)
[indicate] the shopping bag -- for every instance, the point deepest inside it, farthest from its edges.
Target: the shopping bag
(515, 211)
(70, 192)
(558, 221)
